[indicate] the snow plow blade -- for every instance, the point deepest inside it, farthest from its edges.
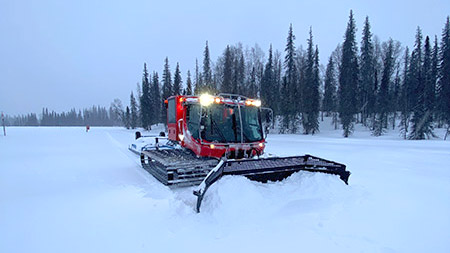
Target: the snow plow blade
(270, 169)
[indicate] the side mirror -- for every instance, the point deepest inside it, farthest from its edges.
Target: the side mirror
(267, 119)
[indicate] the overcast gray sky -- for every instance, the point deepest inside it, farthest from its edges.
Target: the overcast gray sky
(66, 54)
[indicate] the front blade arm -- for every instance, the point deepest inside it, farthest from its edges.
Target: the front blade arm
(214, 175)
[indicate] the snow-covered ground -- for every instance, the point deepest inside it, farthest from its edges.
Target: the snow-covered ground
(65, 190)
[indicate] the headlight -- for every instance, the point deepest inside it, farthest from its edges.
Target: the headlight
(251, 102)
(206, 99)
(257, 103)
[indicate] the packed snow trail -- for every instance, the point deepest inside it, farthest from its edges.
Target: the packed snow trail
(65, 190)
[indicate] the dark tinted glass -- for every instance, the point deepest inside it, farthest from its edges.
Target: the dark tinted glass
(221, 123)
(171, 111)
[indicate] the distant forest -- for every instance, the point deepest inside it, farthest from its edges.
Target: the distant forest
(381, 85)
(94, 116)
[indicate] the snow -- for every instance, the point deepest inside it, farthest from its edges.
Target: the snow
(65, 190)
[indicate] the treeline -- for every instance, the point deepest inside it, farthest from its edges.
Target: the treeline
(378, 84)
(94, 116)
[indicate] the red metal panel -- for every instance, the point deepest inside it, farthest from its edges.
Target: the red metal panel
(172, 126)
(176, 103)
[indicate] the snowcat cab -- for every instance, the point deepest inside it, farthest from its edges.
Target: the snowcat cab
(217, 126)
(212, 136)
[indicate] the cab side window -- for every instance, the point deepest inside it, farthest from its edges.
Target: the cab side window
(171, 111)
(193, 118)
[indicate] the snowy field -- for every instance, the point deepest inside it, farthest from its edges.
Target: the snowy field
(65, 190)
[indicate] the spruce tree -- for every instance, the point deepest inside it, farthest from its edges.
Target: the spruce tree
(189, 90)
(290, 91)
(348, 79)
(198, 79)
(207, 73)
(235, 75)
(315, 94)
(434, 81)
(138, 103)
(44, 118)
(444, 81)
(157, 102)
(227, 71)
(405, 107)
(420, 118)
(444, 76)
(252, 86)
(395, 95)
(146, 111)
(330, 84)
(382, 97)
(302, 66)
(416, 79)
(177, 82)
(284, 113)
(267, 83)
(367, 73)
(237, 83)
(167, 89)
(277, 68)
(167, 81)
(134, 115)
(127, 118)
(240, 73)
(429, 86)
(310, 90)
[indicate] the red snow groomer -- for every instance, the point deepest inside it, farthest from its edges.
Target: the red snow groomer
(212, 136)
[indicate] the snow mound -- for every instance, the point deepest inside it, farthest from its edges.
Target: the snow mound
(302, 193)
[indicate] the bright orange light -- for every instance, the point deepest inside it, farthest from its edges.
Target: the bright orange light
(212, 146)
(261, 145)
(248, 102)
(181, 99)
(217, 100)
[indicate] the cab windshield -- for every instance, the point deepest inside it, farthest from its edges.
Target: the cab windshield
(222, 123)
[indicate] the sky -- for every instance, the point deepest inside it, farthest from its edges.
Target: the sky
(75, 54)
